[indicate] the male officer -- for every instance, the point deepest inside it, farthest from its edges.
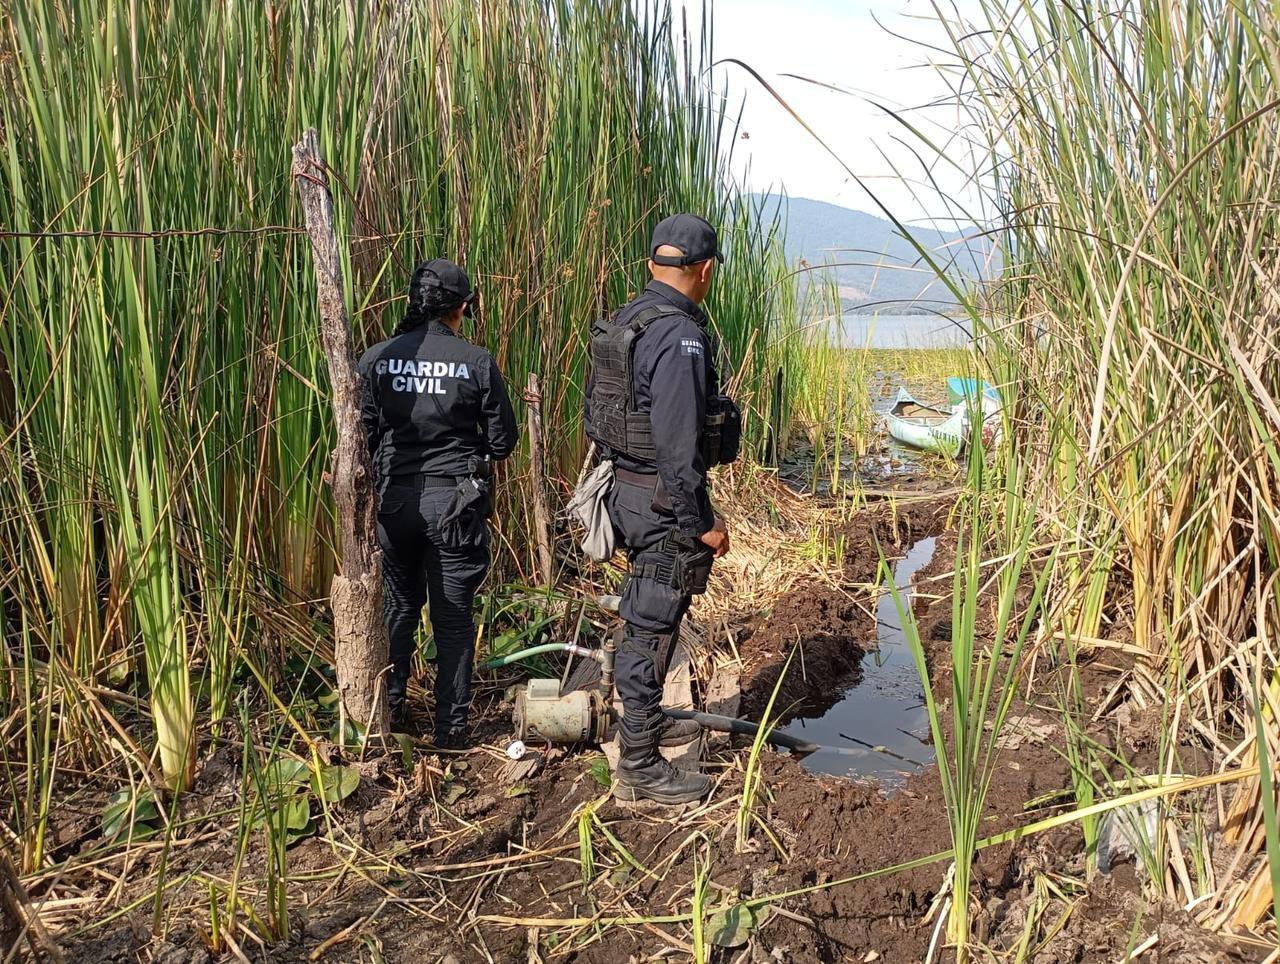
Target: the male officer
(653, 407)
(437, 414)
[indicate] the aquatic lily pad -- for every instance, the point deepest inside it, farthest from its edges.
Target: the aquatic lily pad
(733, 926)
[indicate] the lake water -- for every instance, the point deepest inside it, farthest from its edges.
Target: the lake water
(880, 727)
(904, 331)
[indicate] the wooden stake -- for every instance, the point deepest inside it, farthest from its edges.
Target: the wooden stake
(538, 471)
(360, 637)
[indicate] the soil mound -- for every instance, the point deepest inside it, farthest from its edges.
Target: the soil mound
(829, 628)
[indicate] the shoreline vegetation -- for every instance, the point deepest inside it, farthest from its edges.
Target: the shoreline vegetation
(1095, 632)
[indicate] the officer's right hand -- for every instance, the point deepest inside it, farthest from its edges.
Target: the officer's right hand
(716, 538)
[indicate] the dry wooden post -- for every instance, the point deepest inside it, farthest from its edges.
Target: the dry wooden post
(360, 637)
(538, 470)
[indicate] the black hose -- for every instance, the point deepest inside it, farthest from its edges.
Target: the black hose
(729, 724)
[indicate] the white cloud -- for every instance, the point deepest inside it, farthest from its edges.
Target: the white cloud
(841, 44)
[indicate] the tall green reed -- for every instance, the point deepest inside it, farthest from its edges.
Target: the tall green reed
(1125, 156)
(986, 661)
(166, 429)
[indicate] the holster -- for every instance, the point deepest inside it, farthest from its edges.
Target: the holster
(463, 521)
(691, 563)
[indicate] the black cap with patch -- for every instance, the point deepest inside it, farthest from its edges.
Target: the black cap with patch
(694, 236)
(439, 285)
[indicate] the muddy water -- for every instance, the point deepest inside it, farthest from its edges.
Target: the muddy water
(879, 729)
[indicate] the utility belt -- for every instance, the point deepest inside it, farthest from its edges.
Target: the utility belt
(480, 469)
(646, 479)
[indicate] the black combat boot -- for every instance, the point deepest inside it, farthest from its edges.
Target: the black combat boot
(397, 699)
(644, 775)
(678, 732)
(453, 740)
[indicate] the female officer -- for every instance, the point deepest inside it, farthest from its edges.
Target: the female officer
(437, 414)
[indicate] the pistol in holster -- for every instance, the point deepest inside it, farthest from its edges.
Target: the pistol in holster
(479, 467)
(691, 563)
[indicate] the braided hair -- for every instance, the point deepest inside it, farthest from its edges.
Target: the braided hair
(427, 300)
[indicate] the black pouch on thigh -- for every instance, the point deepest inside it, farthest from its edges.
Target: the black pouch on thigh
(652, 603)
(462, 523)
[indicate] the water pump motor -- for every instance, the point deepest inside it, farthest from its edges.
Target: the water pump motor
(541, 713)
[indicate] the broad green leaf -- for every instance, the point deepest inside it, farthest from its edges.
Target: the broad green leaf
(286, 772)
(297, 811)
(351, 737)
(123, 811)
(733, 926)
(335, 783)
(407, 746)
(308, 829)
(600, 770)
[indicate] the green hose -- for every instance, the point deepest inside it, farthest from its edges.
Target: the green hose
(537, 651)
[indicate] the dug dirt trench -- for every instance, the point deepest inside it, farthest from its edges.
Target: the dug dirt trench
(879, 728)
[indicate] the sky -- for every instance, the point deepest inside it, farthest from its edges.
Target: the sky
(840, 43)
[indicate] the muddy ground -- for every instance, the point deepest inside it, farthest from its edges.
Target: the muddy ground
(455, 860)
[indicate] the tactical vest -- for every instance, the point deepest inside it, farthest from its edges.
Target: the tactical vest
(618, 423)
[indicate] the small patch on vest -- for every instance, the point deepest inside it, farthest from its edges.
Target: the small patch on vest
(690, 346)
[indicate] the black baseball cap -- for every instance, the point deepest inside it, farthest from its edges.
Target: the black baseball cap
(691, 234)
(442, 283)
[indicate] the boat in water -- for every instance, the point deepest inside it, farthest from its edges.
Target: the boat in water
(925, 427)
(945, 431)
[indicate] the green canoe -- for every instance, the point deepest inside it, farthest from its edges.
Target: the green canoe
(925, 427)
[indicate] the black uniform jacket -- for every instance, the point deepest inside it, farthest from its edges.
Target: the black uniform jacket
(433, 402)
(673, 374)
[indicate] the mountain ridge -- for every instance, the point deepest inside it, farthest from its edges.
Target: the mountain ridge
(873, 266)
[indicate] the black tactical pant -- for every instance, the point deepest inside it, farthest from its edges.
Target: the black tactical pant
(421, 564)
(652, 604)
